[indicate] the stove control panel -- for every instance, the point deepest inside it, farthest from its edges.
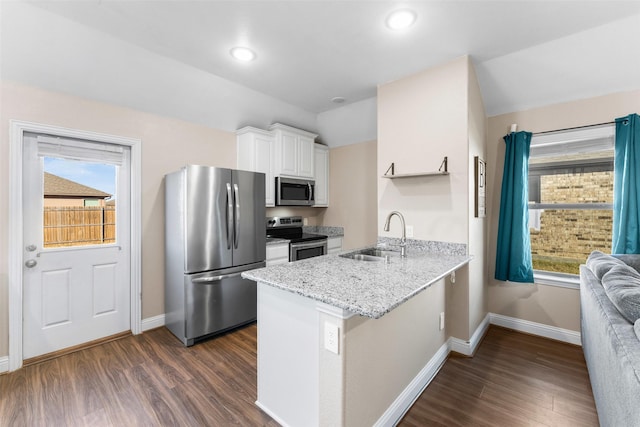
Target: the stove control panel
(284, 221)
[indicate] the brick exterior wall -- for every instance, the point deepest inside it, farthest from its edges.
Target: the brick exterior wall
(574, 234)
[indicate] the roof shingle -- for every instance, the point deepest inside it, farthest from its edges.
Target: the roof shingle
(55, 186)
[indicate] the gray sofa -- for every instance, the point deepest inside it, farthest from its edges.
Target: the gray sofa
(609, 301)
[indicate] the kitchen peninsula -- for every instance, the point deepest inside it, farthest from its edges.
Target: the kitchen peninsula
(349, 342)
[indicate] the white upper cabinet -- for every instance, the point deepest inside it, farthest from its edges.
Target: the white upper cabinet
(255, 153)
(293, 151)
(321, 159)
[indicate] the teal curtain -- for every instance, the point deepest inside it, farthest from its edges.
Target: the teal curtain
(626, 188)
(513, 256)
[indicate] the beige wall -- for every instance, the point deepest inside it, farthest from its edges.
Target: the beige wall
(548, 305)
(382, 356)
(421, 119)
(352, 193)
(167, 144)
(478, 304)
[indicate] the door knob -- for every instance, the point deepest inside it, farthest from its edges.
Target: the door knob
(30, 263)
(31, 248)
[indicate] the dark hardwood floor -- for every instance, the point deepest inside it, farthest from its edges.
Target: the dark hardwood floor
(513, 380)
(151, 380)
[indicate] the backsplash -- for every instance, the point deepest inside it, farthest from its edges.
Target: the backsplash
(426, 245)
(321, 229)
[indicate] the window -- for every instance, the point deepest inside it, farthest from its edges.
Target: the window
(570, 198)
(79, 191)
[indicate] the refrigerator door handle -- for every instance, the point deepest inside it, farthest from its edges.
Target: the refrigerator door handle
(211, 279)
(236, 223)
(229, 216)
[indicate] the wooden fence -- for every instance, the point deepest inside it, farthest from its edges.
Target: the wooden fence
(76, 226)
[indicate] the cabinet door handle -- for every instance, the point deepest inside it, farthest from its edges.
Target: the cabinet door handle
(229, 216)
(236, 223)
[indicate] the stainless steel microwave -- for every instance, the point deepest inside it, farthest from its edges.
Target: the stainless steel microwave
(294, 192)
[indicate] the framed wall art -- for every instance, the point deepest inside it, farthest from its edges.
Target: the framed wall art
(480, 175)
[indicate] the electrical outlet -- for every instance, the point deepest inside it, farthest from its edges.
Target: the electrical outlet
(442, 320)
(331, 334)
(305, 221)
(409, 230)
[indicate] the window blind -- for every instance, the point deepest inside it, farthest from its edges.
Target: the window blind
(76, 149)
(577, 141)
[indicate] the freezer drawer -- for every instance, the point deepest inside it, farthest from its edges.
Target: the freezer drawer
(210, 303)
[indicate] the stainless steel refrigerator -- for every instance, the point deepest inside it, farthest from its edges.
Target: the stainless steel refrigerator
(214, 230)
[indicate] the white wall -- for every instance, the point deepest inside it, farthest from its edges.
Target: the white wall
(350, 124)
(45, 50)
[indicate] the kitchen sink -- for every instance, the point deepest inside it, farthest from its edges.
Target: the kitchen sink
(370, 254)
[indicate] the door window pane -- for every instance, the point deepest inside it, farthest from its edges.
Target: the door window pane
(79, 203)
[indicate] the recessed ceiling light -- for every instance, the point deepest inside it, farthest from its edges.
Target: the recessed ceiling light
(401, 19)
(338, 100)
(243, 54)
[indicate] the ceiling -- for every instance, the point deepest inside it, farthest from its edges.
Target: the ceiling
(309, 52)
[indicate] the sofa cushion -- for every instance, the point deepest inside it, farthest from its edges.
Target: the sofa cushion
(636, 327)
(601, 263)
(622, 285)
(630, 259)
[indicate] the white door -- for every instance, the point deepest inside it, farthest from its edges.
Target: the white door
(76, 279)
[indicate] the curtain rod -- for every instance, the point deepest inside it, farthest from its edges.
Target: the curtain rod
(573, 128)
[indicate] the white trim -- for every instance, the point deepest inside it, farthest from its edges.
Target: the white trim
(410, 394)
(15, 243)
(468, 348)
(560, 280)
(542, 330)
(152, 323)
(4, 364)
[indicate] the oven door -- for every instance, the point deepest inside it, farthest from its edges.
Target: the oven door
(294, 192)
(304, 250)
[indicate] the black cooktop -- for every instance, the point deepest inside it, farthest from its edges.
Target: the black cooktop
(290, 228)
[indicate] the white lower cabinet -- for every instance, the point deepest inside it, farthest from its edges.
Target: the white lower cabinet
(277, 254)
(334, 245)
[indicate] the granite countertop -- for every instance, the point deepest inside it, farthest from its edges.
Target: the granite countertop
(370, 289)
(325, 230)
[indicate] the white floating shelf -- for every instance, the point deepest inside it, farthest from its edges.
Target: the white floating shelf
(415, 175)
(442, 171)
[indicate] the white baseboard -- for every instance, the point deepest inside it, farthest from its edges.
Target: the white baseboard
(405, 400)
(271, 414)
(152, 323)
(468, 348)
(553, 332)
(4, 364)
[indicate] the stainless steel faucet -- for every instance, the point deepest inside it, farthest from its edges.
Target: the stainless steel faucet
(403, 239)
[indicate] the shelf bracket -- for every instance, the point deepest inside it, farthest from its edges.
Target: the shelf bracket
(444, 165)
(391, 168)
